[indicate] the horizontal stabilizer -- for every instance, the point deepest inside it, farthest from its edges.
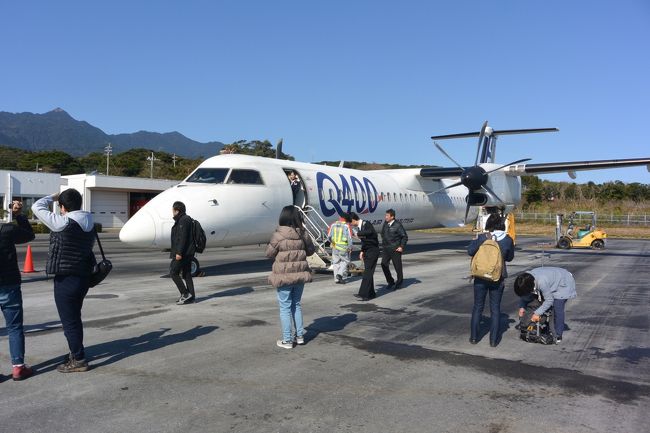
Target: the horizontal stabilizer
(494, 133)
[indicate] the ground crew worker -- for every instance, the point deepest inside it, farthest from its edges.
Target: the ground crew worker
(340, 237)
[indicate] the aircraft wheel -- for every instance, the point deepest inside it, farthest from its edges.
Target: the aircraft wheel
(195, 268)
(564, 243)
(598, 244)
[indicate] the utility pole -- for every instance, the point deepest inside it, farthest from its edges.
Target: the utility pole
(174, 159)
(108, 150)
(151, 159)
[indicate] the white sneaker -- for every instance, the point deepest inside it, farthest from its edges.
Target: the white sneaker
(300, 340)
(285, 344)
(558, 340)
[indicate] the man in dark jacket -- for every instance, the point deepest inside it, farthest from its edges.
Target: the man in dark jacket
(182, 253)
(369, 254)
(70, 259)
(11, 298)
(393, 242)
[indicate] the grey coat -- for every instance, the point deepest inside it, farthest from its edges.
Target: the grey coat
(553, 283)
(290, 249)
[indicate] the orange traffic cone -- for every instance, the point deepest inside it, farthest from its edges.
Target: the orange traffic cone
(29, 264)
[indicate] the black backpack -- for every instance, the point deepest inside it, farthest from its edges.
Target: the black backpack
(536, 332)
(198, 236)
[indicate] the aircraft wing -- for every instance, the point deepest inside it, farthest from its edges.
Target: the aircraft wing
(532, 169)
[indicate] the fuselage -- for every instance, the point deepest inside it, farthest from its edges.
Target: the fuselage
(238, 199)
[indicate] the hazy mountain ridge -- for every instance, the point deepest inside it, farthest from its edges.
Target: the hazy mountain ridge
(57, 130)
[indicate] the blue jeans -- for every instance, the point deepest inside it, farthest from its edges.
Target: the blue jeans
(481, 290)
(11, 302)
(558, 316)
(290, 310)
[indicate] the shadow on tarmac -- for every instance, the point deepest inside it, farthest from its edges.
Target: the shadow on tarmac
(504, 325)
(113, 351)
(328, 324)
(245, 267)
(226, 293)
(54, 325)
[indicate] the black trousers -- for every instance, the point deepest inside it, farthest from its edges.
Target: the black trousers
(367, 289)
(386, 256)
(183, 267)
(69, 294)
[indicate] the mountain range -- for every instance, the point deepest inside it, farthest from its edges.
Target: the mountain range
(57, 130)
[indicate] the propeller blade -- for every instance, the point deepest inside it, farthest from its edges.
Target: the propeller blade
(488, 189)
(447, 155)
(508, 165)
(480, 139)
(278, 149)
(467, 211)
(447, 187)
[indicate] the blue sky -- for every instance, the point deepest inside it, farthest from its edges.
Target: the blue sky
(355, 80)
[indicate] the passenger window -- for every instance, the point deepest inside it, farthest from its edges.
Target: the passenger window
(208, 175)
(245, 177)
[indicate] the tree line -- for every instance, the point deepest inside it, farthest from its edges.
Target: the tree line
(132, 163)
(536, 190)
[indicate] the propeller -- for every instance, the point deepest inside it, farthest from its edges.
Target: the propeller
(475, 178)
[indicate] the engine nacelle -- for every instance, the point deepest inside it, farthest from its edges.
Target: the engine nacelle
(476, 198)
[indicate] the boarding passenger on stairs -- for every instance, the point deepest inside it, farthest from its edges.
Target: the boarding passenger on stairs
(182, 253)
(11, 298)
(70, 259)
(294, 180)
(340, 237)
(369, 254)
(393, 242)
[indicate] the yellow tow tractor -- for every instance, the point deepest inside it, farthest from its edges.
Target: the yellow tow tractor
(577, 237)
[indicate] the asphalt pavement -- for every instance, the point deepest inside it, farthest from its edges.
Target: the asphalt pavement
(400, 363)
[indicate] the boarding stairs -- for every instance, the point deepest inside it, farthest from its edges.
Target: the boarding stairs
(317, 229)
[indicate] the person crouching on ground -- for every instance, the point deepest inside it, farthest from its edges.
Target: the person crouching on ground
(495, 226)
(556, 285)
(11, 298)
(70, 259)
(182, 253)
(290, 246)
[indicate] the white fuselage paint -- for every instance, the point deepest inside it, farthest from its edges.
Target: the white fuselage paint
(240, 214)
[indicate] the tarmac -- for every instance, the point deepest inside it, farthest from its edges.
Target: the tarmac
(400, 363)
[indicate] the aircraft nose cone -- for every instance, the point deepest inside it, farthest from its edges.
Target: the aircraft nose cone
(140, 230)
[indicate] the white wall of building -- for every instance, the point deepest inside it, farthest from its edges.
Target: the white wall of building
(108, 197)
(28, 185)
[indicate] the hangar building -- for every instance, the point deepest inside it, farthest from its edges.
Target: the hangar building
(111, 199)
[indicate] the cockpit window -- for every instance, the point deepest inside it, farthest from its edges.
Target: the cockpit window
(208, 175)
(245, 177)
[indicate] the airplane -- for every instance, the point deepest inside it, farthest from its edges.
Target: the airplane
(238, 198)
